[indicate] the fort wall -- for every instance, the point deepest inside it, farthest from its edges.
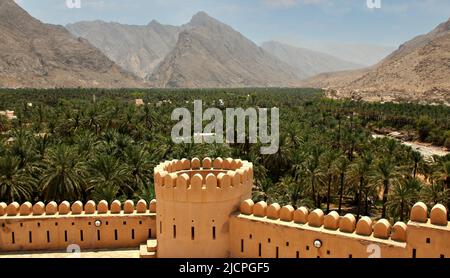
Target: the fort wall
(262, 231)
(195, 201)
(204, 210)
(30, 227)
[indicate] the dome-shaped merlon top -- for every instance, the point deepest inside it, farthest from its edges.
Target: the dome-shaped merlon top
(26, 209)
(224, 181)
(12, 209)
(195, 163)
(348, 223)
(273, 211)
(227, 164)
(259, 209)
(3, 207)
(419, 213)
(331, 221)
(116, 206)
(247, 207)
(399, 232)
(152, 207)
(102, 207)
(77, 208)
(207, 163)
(243, 174)
(141, 206)
(316, 218)
(183, 181)
(235, 178)
(195, 192)
(287, 213)
(170, 180)
(212, 191)
(178, 165)
(235, 164)
(51, 208)
(64, 208)
(89, 207)
(211, 181)
(128, 207)
(159, 178)
(438, 215)
(39, 208)
(180, 191)
(185, 164)
(301, 215)
(217, 163)
(364, 226)
(382, 229)
(168, 166)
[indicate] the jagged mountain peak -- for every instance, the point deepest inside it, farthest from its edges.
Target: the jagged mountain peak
(203, 19)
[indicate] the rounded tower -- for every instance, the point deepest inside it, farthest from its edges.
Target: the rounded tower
(195, 200)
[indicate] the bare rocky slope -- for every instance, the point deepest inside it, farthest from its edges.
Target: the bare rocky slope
(418, 70)
(138, 49)
(38, 55)
(307, 62)
(210, 54)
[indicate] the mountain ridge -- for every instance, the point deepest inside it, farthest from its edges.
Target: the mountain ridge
(39, 55)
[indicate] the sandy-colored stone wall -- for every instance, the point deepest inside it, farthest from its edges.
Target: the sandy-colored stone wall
(195, 201)
(262, 231)
(30, 227)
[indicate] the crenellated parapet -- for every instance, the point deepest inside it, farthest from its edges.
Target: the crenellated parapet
(423, 236)
(75, 209)
(195, 201)
(203, 181)
(28, 227)
(381, 229)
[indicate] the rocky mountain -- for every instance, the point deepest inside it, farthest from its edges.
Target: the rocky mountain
(209, 53)
(419, 69)
(307, 62)
(34, 54)
(358, 53)
(138, 49)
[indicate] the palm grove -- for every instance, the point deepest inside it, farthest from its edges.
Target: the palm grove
(98, 145)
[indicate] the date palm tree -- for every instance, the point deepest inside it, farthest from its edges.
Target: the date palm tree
(63, 177)
(442, 174)
(15, 183)
(385, 173)
(108, 176)
(417, 159)
(404, 194)
(360, 172)
(328, 172)
(342, 165)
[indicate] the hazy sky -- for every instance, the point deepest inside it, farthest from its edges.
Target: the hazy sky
(295, 21)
